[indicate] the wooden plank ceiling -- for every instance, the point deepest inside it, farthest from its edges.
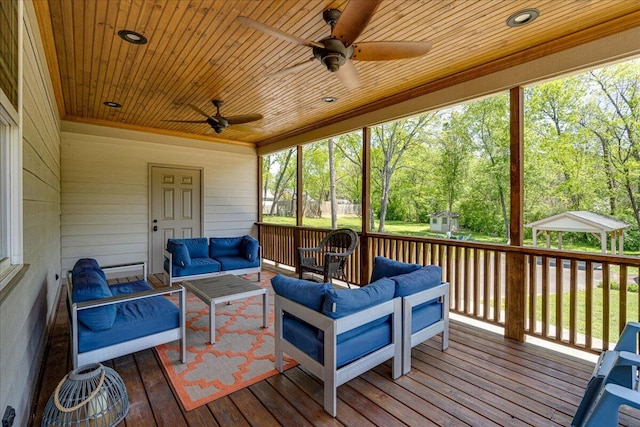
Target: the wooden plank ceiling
(197, 51)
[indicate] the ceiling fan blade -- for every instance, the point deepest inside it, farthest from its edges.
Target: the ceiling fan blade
(291, 70)
(387, 51)
(243, 118)
(276, 33)
(354, 19)
(198, 110)
(348, 76)
(186, 121)
(247, 128)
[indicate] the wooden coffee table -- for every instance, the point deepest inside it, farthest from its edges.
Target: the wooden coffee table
(226, 288)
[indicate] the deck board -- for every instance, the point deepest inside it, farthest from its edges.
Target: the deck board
(481, 380)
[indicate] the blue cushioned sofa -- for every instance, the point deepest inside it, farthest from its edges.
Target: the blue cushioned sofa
(199, 257)
(107, 321)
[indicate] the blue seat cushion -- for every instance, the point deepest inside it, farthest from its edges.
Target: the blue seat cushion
(425, 314)
(385, 267)
(224, 246)
(197, 266)
(303, 336)
(235, 262)
(134, 319)
(304, 292)
(179, 253)
(91, 285)
(419, 280)
(198, 246)
(249, 248)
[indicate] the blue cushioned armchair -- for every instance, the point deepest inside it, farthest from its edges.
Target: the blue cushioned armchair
(336, 334)
(425, 302)
(107, 321)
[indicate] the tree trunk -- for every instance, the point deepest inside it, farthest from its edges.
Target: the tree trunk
(332, 186)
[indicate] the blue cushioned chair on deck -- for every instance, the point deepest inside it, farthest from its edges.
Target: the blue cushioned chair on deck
(336, 334)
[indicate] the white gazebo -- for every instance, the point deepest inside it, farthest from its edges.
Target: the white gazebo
(599, 225)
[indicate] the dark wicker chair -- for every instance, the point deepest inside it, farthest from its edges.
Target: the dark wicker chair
(330, 256)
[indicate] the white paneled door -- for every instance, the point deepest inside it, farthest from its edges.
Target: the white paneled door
(176, 208)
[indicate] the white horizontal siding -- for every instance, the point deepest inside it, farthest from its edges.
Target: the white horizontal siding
(28, 307)
(105, 187)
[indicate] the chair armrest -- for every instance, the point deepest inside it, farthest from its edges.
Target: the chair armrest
(128, 297)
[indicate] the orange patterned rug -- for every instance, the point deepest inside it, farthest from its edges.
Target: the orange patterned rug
(241, 356)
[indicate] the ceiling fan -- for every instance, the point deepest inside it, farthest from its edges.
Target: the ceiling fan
(219, 123)
(336, 51)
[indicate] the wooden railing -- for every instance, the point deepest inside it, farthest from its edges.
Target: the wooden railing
(577, 296)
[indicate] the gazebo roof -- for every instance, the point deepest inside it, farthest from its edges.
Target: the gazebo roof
(584, 221)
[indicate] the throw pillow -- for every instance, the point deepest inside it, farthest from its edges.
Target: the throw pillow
(385, 267)
(310, 294)
(419, 280)
(180, 253)
(249, 248)
(90, 285)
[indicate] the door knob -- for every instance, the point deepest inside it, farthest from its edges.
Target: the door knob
(155, 228)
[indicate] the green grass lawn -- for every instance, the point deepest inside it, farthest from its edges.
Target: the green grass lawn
(417, 229)
(597, 312)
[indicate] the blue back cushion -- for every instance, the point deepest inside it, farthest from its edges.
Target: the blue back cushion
(86, 264)
(224, 246)
(419, 280)
(90, 285)
(343, 302)
(198, 246)
(180, 253)
(304, 292)
(249, 248)
(385, 267)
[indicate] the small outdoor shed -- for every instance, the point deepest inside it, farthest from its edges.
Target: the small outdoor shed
(443, 221)
(601, 226)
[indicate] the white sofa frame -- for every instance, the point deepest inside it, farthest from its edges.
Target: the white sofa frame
(410, 340)
(169, 279)
(329, 373)
(130, 346)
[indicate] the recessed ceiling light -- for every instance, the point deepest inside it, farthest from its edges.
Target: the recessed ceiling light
(329, 99)
(112, 104)
(132, 37)
(523, 17)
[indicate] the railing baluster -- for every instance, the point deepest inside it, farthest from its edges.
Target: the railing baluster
(559, 298)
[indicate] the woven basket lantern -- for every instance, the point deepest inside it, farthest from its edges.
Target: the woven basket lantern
(92, 396)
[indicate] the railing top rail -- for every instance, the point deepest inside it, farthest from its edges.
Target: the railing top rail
(498, 247)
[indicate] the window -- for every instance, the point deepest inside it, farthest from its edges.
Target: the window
(444, 221)
(10, 144)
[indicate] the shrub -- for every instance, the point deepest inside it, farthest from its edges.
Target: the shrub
(615, 286)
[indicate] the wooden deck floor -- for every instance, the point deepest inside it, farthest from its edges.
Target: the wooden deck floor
(481, 380)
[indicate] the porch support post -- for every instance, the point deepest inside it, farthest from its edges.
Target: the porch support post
(297, 240)
(260, 189)
(365, 262)
(515, 262)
